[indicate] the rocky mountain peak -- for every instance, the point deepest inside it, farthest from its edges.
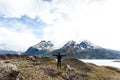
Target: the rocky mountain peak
(88, 45)
(70, 43)
(44, 45)
(81, 45)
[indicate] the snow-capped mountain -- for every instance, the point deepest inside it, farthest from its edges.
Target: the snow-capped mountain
(87, 50)
(41, 48)
(87, 44)
(44, 45)
(79, 46)
(81, 50)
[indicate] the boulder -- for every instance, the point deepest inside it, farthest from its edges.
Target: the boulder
(8, 71)
(68, 68)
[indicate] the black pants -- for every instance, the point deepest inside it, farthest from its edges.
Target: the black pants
(59, 64)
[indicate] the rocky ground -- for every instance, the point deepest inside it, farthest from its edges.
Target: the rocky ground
(26, 67)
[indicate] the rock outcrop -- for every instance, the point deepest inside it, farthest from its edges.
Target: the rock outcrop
(8, 71)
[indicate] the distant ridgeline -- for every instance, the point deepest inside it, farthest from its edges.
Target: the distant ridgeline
(82, 50)
(7, 52)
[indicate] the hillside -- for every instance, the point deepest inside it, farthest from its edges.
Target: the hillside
(44, 68)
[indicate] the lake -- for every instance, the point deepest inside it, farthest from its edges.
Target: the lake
(101, 62)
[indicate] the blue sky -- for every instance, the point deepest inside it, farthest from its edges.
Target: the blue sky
(24, 23)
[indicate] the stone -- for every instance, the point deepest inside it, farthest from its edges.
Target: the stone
(8, 71)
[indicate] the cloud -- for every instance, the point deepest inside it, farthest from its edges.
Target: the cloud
(12, 40)
(94, 20)
(32, 8)
(61, 20)
(17, 34)
(14, 11)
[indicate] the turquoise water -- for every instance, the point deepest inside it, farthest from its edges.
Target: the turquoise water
(101, 62)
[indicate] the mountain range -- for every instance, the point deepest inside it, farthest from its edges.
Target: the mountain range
(8, 52)
(80, 50)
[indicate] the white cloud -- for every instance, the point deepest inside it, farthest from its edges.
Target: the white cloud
(32, 8)
(95, 20)
(17, 38)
